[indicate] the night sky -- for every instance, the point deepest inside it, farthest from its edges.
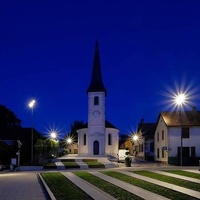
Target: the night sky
(147, 48)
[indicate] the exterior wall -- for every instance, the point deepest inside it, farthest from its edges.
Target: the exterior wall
(161, 145)
(73, 148)
(82, 149)
(175, 140)
(113, 148)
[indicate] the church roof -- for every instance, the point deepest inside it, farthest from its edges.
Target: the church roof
(107, 125)
(96, 84)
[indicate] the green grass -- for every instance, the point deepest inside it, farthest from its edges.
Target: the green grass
(171, 194)
(62, 188)
(71, 165)
(184, 173)
(93, 163)
(50, 166)
(172, 180)
(107, 187)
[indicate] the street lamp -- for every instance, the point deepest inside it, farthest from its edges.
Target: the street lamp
(31, 105)
(135, 139)
(53, 135)
(180, 100)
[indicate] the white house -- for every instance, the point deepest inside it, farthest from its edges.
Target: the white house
(177, 138)
(100, 137)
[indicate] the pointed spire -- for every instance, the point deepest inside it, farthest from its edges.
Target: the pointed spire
(96, 84)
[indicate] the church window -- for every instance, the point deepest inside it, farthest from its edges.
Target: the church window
(109, 139)
(84, 139)
(96, 100)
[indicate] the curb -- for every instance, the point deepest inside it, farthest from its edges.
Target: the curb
(52, 197)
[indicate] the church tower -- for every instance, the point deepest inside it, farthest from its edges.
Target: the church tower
(96, 109)
(99, 137)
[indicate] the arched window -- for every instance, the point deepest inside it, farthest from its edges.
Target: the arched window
(96, 100)
(84, 139)
(109, 139)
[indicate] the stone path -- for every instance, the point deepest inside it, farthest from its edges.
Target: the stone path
(183, 190)
(179, 176)
(91, 190)
(98, 194)
(130, 188)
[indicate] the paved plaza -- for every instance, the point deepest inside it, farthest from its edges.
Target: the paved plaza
(23, 185)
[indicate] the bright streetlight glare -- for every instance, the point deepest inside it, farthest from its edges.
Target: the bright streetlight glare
(69, 140)
(31, 103)
(180, 99)
(135, 137)
(53, 135)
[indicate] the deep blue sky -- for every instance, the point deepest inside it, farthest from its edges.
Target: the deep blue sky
(47, 47)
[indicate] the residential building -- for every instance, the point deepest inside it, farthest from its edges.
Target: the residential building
(178, 133)
(143, 146)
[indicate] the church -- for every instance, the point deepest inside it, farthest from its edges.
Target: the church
(100, 137)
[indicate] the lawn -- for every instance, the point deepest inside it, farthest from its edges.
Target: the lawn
(172, 180)
(171, 194)
(50, 166)
(107, 187)
(70, 165)
(93, 163)
(184, 173)
(62, 188)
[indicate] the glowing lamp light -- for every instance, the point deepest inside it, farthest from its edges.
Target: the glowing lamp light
(53, 135)
(31, 103)
(135, 137)
(180, 99)
(69, 140)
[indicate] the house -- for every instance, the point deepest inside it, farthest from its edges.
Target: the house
(144, 146)
(177, 136)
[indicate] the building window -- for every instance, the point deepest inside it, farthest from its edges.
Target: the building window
(158, 155)
(158, 136)
(185, 132)
(109, 139)
(163, 135)
(84, 139)
(96, 100)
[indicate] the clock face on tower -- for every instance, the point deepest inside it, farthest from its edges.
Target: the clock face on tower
(96, 113)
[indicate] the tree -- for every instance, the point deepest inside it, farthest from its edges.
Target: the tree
(7, 118)
(74, 127)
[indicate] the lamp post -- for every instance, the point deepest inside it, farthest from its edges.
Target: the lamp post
(31, 105)
(135, 139)
(180, 100)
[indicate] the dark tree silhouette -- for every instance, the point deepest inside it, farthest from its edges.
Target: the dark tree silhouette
(74, 127)
(7, 118)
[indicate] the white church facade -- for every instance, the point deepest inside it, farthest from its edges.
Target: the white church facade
(100, 138)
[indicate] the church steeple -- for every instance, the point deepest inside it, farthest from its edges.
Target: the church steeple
(96, 84)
